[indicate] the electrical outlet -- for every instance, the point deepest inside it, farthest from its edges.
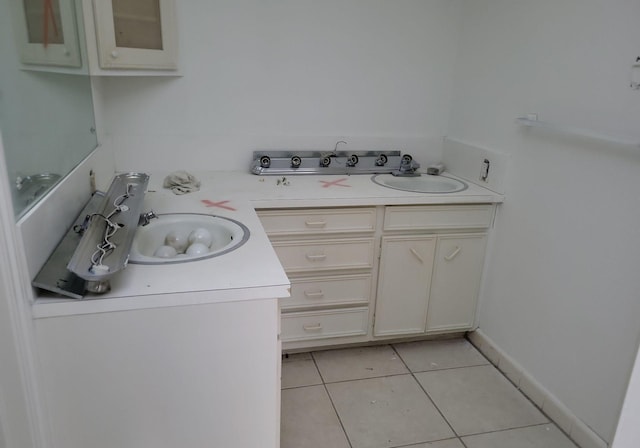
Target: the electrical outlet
(484, 170)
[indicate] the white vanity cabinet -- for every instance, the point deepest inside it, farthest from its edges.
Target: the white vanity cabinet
(406, 263)
(329, 257)
(46, 32)
(136, 35)
(430, 268)
(455, 282)
(179, 376)
(97, 37)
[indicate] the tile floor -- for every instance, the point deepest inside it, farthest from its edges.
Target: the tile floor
(432, 394)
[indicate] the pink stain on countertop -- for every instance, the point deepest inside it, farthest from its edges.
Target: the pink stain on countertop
(219, 204)
(336, 183)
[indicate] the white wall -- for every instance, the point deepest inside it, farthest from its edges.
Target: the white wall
(561, 296)
(290, 74)
(628, 432)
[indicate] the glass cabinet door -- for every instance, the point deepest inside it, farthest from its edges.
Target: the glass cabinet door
(46, 32)
(137, 34)
(137, 24)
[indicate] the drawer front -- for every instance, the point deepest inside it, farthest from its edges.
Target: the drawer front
(343, 289)
(318, 221)
(324, 255)
(438, 217)
(324, 324)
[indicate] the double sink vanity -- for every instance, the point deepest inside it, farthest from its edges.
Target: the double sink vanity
(188, 354)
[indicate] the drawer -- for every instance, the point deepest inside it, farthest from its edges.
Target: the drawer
(318, 221)
(340, 289)
(438, 217)
(324, 324)
(324, 255)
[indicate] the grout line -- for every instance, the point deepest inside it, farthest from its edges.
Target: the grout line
(344, 431)
(300, 387)
(324, 383)
(519, 389)
(426, 393)
(452, 368)
(511, 429)
(368, 378)
(427, 443)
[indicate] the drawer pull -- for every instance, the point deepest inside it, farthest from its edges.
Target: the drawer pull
(416, 254)
(315, 223)
(314, 294)
(318, 257)
(453, 254)
(316, 327)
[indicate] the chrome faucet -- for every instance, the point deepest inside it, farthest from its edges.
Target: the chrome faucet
(407, 168)
(145, 218)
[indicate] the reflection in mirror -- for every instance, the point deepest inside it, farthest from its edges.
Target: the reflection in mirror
(44, 23)
(46, 119)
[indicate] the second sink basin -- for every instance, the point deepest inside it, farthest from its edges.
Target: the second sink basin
(421, 184)
(169, 239)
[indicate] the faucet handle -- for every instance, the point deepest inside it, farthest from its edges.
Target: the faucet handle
(145, 218)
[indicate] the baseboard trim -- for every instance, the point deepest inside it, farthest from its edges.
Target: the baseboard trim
(562, 416)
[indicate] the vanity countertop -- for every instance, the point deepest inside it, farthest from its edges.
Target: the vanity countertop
(251, 272)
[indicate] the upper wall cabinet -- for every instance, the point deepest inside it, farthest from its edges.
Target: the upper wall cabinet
(136, 34)
(99, 37)
(46, 32)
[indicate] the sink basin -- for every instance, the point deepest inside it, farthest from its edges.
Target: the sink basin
(186, 237)
(421, 184)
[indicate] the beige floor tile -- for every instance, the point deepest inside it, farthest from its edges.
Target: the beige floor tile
(479, 399)
(358, 363)
(543, 436)
(423, 356)
(449, 443)
(299, 370)
(309, 420)
(387, 412)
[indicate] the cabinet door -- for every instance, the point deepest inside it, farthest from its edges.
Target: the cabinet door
(456, 281)
(46, 32)
(406, 263)
(136, 35)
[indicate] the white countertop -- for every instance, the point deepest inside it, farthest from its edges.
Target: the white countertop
(252, 271)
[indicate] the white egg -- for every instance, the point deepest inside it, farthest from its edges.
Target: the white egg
(197, 249)
(165, 252)
(202, 236)
(177, 239)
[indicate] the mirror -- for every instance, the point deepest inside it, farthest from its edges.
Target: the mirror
(46, 118)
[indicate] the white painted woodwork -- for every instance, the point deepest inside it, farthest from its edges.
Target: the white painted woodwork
(112, 56)
(311, 325)
(327, 291)
(189, 377)
(324, 255)
(406, 264)
(330, 293)
(64, 54)
(438, 217)
(456, 281)
(318, 221)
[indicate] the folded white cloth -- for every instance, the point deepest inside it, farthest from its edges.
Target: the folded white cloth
(181, 182)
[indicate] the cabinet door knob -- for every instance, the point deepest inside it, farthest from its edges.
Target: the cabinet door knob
(114, 54)
(318, 257)
(453, 254)
(416, 254)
